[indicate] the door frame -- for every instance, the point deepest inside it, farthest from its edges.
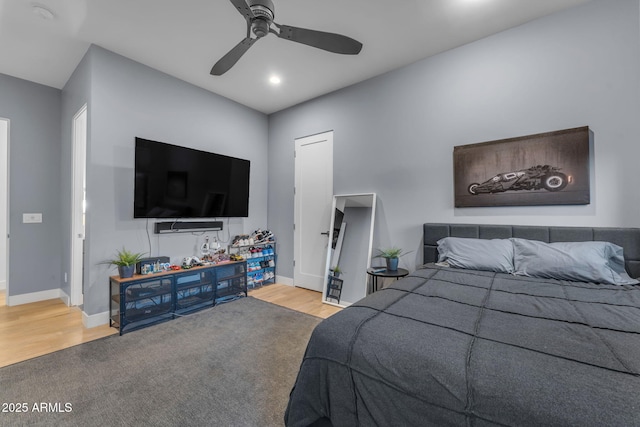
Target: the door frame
(78, 185)
(297, 257)
(6, 235)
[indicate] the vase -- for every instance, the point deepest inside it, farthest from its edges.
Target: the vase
(392, 264)
(126, 271)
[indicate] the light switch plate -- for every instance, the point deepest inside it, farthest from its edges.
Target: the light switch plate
(31, 218)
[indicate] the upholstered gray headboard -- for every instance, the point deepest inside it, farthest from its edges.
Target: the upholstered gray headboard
(628, 238)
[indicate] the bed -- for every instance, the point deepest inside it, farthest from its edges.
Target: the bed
(459, 346)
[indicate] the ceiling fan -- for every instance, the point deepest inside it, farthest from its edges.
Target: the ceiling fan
(259, 15)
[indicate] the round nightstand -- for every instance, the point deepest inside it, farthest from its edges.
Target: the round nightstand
(376, 272)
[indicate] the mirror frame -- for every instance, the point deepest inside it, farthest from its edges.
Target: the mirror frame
(336, 197)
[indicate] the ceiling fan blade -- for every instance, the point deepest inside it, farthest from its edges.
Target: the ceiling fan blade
(229, 60)
(243, 8)
(331, 42)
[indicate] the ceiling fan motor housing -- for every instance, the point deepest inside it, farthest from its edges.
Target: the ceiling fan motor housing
(263, 10)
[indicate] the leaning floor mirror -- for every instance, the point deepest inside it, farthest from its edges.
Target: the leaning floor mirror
(349, 248)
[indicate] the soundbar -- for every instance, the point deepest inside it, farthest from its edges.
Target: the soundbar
(186, 226)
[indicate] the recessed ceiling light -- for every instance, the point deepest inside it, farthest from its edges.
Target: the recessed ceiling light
(42, 11)
(275, 80)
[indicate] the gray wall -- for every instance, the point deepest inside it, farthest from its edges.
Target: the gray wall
(128, 100)
(394, 134)
(34, 184)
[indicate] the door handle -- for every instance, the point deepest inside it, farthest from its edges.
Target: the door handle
(325, 234)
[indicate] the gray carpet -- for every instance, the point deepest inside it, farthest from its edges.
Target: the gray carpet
(231, 365)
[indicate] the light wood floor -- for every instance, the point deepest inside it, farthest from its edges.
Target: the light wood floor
(298, 299)
(32, 330)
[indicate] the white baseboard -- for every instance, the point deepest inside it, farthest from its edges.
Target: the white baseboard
(33, 297)
(3, 285)
(66, 299)
(284, 280)
(91, 321)
(342, 304)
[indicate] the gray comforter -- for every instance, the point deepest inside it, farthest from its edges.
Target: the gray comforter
(458, 347)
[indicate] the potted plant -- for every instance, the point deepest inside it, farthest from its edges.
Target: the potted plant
(126, 262)
(336, 271)
(391, 256)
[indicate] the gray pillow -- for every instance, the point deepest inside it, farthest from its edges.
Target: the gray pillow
(477, 254)
(596, 262)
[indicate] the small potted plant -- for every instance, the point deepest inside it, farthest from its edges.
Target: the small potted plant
(391, 256)
(126, 262)
(336, 271)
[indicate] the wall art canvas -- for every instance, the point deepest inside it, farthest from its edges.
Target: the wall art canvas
(543, 169)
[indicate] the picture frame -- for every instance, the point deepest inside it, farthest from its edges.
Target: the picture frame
(542, 169)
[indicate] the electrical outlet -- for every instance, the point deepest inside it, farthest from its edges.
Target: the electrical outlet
(31, 218)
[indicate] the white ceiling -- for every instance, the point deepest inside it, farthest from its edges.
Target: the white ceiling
(184, 38)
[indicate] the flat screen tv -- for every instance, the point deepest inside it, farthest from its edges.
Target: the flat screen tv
(180, 182)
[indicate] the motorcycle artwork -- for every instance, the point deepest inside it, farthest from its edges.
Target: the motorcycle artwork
(534, 178)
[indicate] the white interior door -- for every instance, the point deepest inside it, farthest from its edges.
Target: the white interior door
(4, 201)
(78, 205)
(313, 201)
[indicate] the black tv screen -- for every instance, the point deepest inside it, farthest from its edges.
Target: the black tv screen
(180, 182)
